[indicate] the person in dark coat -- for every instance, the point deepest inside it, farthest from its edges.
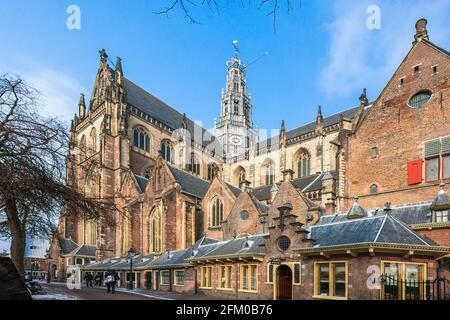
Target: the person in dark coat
(111, 280)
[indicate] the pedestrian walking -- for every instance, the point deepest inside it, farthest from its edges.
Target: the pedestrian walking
(111, 280)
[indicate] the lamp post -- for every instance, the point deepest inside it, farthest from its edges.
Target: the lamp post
(131, 254)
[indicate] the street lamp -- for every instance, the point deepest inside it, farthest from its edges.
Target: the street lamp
(131, 254)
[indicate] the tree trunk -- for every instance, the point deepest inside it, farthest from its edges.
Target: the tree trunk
(17, 237)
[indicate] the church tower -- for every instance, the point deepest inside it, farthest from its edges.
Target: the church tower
(235, 127)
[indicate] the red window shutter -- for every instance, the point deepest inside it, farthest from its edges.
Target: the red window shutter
(414, 172)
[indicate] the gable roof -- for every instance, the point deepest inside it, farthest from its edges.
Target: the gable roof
(141, 181)
(190, 184)
(66, 245)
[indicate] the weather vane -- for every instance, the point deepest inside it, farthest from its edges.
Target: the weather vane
(236, 49)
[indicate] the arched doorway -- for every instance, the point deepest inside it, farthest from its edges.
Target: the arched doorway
(284, 282)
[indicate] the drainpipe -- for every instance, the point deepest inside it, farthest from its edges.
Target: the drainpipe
(237, 280)
(170, 279)
(195, 280)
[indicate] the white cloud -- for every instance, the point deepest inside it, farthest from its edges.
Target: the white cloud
(359, 57)
(59, 93)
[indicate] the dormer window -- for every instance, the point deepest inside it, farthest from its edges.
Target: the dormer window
(441, 216)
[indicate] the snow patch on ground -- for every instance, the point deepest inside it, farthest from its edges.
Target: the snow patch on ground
(55, 296)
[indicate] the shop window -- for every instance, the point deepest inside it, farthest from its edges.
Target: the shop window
(402, 281)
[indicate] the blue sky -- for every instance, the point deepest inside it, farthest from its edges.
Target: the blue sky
(322, 52)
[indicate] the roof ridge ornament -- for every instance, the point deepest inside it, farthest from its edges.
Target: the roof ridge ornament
(421, 30)
(363, 98)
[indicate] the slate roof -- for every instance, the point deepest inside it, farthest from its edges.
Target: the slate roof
(236, 191)
(189, 183)
(305, 184)
(159, 110)
(85, 250)
(309, 127)
(142, 182)
(376, 229)
(244, 246)
(409, 214)
(66, 245)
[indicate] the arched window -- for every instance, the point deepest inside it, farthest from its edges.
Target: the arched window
(141, 139)
(374, 188)
(193, 165)
(83, 148)
(216, 212)
(167, 151)
(155, 231)
(268, 172)
(93, 141)
(92, 191)
(91, 232)
(213, 170)
(303, 164)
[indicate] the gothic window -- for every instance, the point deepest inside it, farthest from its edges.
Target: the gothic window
(91, 232)
(216, 212)
(212, 171)
(269, 174)
(303, 164)
(141, 139)
(83, 148)
(236, 107)
(167, 151)
(155, 231)
(93, 141)
(193, 165)
(239, 176)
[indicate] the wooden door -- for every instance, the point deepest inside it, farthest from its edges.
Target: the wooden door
(284, 282)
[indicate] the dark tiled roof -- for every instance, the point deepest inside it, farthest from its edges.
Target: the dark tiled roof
(377, 229)
(142, 182)
(305, 184)
(240, 246)
(140, 98)
(67, 245)
(409, 214)
(85, 250)
(236, 191)
(310, 127)
(189, 183)
(175, 258)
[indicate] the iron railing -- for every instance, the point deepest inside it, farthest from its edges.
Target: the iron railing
(394, 288)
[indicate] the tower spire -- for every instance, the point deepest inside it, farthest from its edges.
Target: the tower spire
(319, 117)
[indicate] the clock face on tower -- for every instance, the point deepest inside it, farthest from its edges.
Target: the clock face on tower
(236, 140)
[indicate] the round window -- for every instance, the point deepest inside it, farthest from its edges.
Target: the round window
(244, 215)
(284, 243)
(420, 99)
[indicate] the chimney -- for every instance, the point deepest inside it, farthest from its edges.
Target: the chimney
(421, 30)
(245, 186)
(288, 175)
